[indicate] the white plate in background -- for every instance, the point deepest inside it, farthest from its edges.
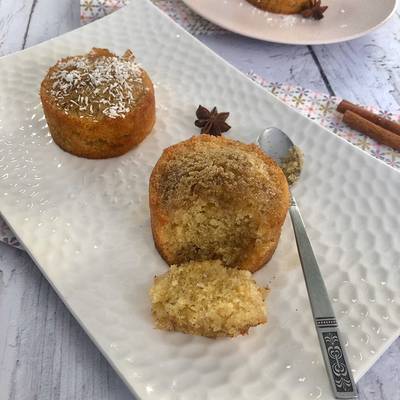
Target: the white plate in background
(344, 20)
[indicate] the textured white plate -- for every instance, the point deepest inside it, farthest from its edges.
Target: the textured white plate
(344, 20)
(86, 224)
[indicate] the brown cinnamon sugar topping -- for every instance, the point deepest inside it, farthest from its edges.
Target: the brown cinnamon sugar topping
(292, 164)
(97, 84)
(218, 196)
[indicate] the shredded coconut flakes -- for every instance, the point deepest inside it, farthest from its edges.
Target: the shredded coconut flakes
(91, 86)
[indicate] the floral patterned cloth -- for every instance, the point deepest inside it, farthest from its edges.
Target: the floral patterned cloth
(321, 108)
(316, 106)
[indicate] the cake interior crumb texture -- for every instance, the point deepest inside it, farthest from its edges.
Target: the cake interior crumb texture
(205, 298)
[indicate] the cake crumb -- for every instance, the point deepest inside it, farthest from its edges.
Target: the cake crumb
(292, 164)
(208, 299)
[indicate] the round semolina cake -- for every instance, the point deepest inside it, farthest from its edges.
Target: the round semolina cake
(281, 6)
(98, 105)
(213, 198)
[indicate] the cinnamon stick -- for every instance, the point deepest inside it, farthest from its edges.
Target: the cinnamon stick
(372, 130)
(385, 123)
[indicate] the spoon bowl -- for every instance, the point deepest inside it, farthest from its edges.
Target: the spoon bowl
(275, 143)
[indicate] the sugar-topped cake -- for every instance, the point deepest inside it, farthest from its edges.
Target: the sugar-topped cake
(98, 105)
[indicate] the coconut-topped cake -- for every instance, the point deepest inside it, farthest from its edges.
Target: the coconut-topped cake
(98, 105)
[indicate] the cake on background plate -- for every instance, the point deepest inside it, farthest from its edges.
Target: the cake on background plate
(282, 6)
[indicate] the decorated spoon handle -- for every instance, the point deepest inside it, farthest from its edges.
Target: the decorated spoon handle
(334, 354)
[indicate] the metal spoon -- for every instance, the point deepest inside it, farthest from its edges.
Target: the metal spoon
(276, 144)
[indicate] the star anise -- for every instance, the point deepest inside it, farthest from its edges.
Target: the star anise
(315, 10)
(211, 122)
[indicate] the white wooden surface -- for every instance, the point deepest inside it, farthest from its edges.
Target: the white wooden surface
(44, 354)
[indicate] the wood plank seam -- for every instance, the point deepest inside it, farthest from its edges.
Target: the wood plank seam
(29, 23)
(321, 71)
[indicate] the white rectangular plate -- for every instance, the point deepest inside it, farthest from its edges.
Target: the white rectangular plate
(86, 224)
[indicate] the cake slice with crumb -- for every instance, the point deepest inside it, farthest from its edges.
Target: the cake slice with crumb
(205, 298)
(213, 198)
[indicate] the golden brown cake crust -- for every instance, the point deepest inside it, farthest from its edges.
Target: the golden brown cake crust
(96, 134)
(229, 204)
(281, 6)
